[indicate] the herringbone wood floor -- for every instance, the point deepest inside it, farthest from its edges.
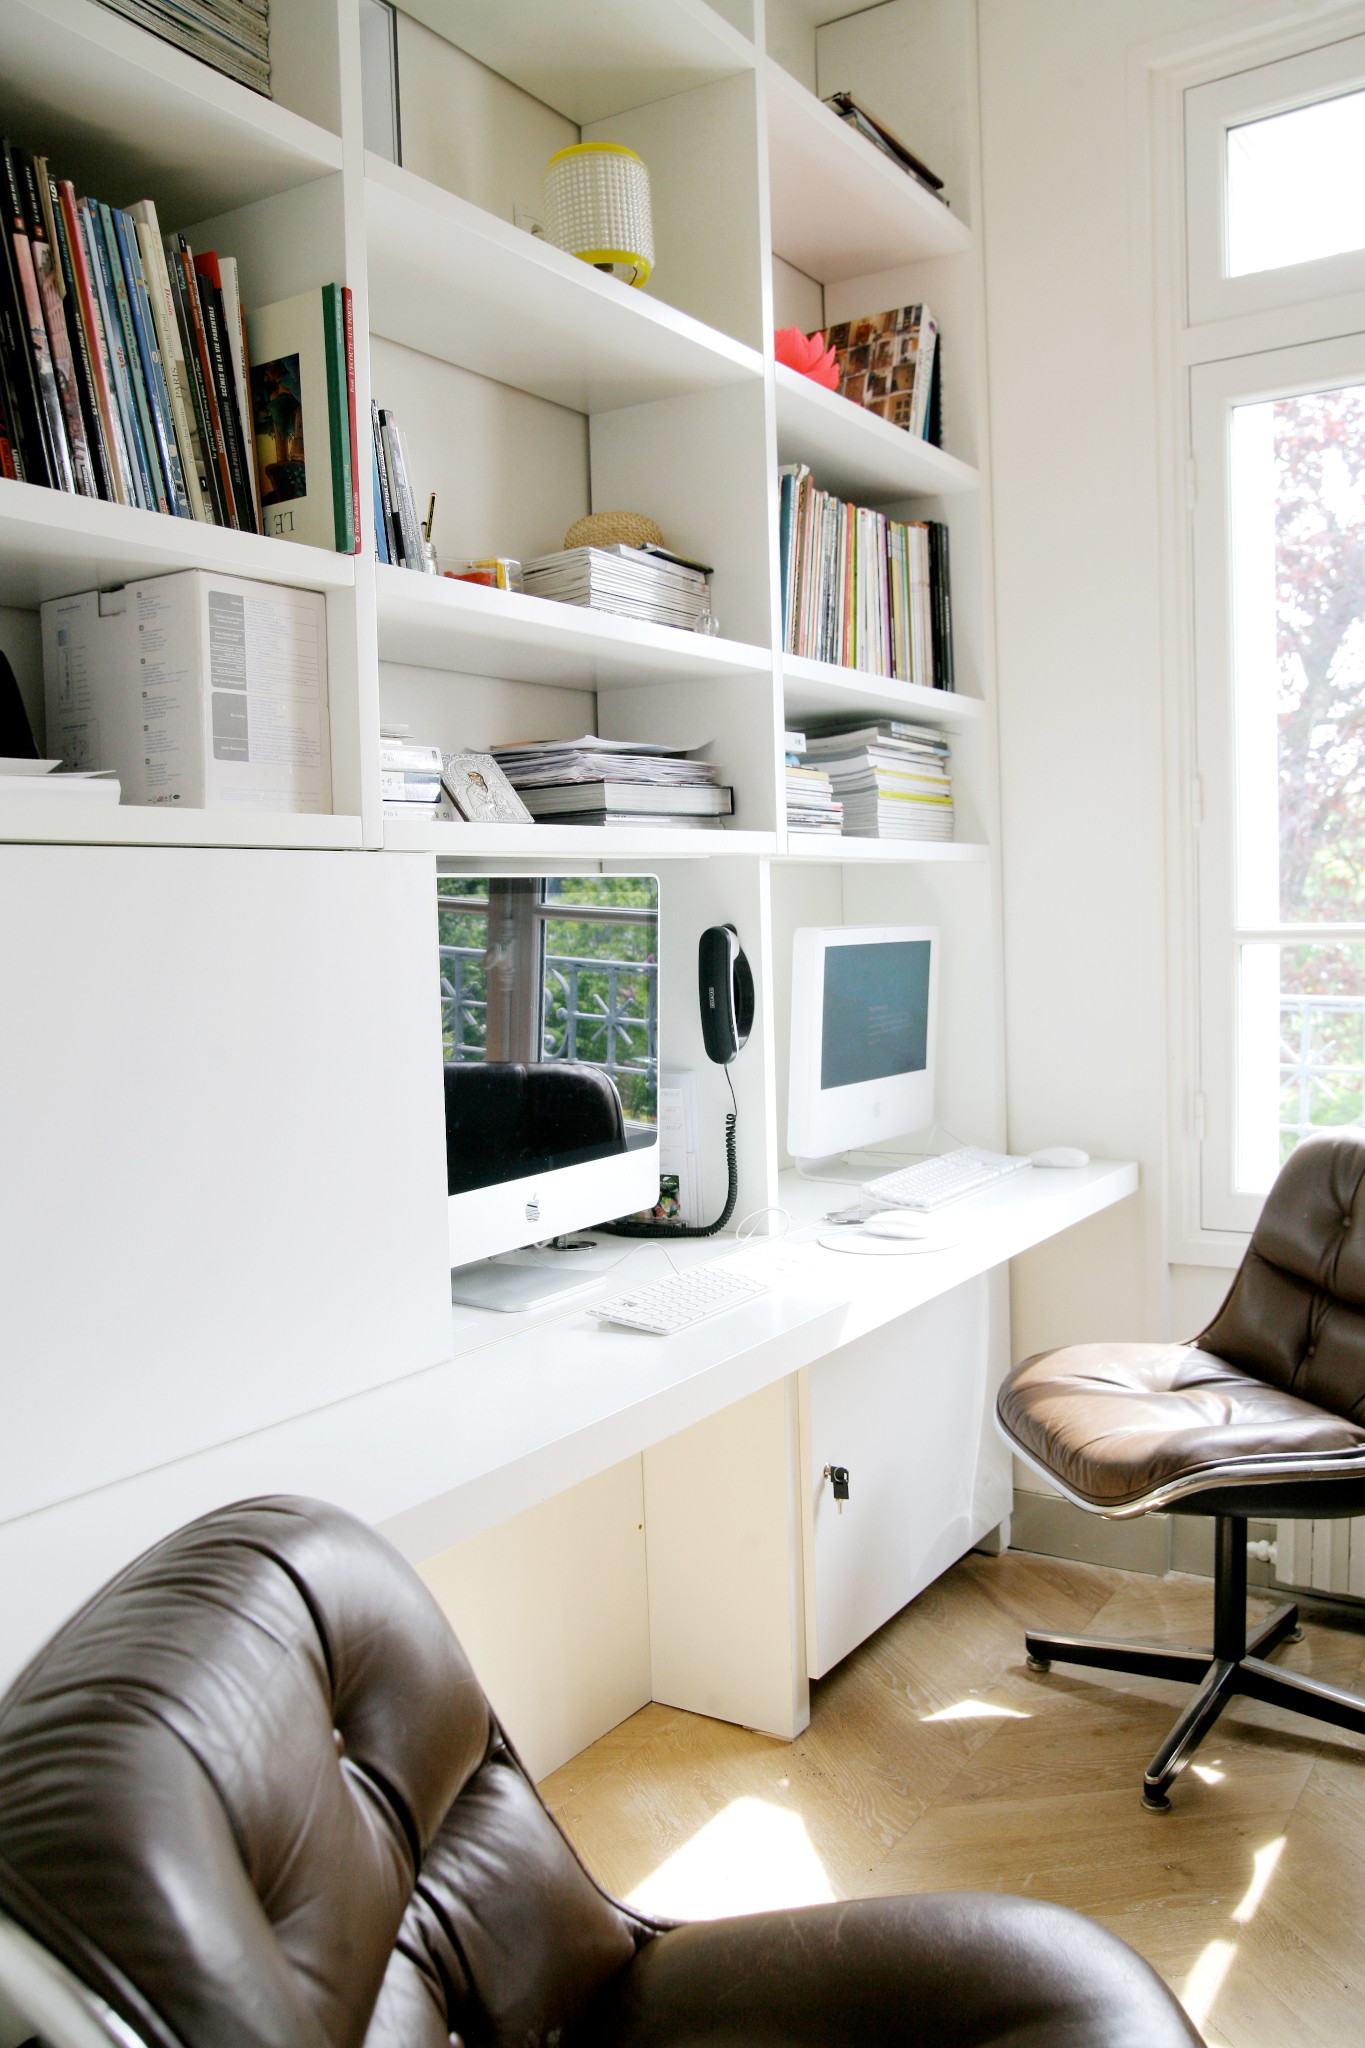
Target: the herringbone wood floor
(935, 1760)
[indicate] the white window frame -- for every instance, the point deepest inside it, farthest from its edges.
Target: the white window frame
(1216, 389)
(1327, 72)
(1239, 57)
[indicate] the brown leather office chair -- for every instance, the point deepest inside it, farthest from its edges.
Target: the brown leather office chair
(1263, 1414)
(252, 1796)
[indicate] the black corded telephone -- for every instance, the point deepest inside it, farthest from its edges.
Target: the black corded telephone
(725, 987)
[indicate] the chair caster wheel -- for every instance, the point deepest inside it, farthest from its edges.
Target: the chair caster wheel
(1156, 1802)
(1039, 1663)
(1295, 1636)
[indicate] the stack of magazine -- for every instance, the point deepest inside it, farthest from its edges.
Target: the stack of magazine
(231, 35)
(638, 583)
(592, 781)
(891, 777)
(811, 802)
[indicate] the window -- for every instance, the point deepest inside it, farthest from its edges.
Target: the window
(1275, 183)
(1276, 211)
(596, 994)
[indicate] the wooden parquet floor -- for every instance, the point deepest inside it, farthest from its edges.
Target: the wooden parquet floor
(935, 1760)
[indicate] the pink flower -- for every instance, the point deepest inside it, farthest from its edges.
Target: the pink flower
(808, 354)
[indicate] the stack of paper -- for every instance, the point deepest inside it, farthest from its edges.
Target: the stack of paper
(31, 782)
(409, 776)
(892, 779)
(636, 583)
(232, 35)
(592, 781)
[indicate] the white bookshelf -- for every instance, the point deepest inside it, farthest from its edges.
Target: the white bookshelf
(532, 389)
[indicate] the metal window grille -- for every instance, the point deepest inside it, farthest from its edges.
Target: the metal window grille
(1322, 1064)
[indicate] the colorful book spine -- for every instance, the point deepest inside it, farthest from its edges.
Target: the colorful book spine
(132, 389)
(158, 402)
(210, 291)
(352, 431)
(127, 457)
(334, 330)
(51, 433)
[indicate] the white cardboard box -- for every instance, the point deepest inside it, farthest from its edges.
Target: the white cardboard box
(199, 691)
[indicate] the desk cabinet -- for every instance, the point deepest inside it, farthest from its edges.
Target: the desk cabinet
(907, 1410)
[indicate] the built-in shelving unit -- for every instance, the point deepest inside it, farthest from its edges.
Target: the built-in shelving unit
(532, 389)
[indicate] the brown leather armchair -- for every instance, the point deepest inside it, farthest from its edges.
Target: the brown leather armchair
(1263, 1414)
(252, 1796)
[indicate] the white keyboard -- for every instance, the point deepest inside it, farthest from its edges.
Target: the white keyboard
(679, 1301)
(932, 1182)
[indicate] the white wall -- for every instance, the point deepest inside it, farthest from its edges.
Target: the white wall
(1072, 355)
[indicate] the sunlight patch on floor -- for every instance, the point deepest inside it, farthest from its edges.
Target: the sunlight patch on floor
(1262, 1872)
(751, 1858)
(977, 1710)
(1205, 1980)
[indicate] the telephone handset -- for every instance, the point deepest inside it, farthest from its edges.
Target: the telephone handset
(725, 986)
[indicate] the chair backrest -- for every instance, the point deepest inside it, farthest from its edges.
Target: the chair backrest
(1295, 1314)
(252, 1794)
(505, 1119)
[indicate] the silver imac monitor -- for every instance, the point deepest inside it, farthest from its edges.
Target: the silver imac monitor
(550, 1003)
(864, 1024)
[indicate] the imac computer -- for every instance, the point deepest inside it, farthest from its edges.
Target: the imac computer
(864, 1020)
(549, 1011)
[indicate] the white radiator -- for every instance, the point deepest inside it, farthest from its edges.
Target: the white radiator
(1324, 1557)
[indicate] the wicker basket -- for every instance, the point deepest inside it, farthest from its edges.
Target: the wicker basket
(614, 530)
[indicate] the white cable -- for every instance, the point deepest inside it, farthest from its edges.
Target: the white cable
(768, 1209)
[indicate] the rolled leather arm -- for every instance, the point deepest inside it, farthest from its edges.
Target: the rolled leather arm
(940, 1970)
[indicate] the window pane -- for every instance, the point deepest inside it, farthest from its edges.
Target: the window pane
(1301, 1050)
(1298, 547)
(1296, 186)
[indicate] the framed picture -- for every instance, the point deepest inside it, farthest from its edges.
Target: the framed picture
(480, 791)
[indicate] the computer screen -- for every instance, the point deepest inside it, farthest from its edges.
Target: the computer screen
(875, 1013)
(549, 1014)
(864, 1001)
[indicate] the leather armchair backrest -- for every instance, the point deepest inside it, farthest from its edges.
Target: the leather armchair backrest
(252, 1794)
(1295, 1314)
(505, 1119)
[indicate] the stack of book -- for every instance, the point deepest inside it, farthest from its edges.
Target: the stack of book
(637, 583)
(125, 373)
(889, 364)
(811, 804)
(872, 130)
(400, 536)
(891, 777)
(409, 776)
(861, 590)
(591, 781)
(231, 35)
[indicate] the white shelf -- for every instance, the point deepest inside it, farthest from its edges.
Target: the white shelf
(812, 688)
(438, 622)
(840, 208)
(590, 842)
(855, 452)
(462, 285)
(53, 543)
(128, 116)
(591, 62)
(71, 823)
(896, 852)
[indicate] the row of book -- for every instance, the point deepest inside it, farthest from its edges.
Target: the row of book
(231, 35)
(127, 371)
(592, 781)
(883, 780)
(861, 590)
(400, 536)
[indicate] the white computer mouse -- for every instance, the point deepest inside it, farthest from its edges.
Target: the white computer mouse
(1059, 1155)
(897, 1223)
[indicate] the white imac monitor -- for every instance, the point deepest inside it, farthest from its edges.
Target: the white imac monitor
(549, 1012)
(864, 1014)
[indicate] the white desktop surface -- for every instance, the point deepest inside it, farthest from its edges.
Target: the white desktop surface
(530, 1404)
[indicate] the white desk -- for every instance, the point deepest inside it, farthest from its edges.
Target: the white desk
(528, 1405)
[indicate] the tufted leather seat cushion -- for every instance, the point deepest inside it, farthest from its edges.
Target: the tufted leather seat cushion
(253, 1797)
(1274, 1387)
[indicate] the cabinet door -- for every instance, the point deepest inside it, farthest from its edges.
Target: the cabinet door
(906, 1410)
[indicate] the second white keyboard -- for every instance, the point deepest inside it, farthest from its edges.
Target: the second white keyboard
(929, 1183)
(683, 1299)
